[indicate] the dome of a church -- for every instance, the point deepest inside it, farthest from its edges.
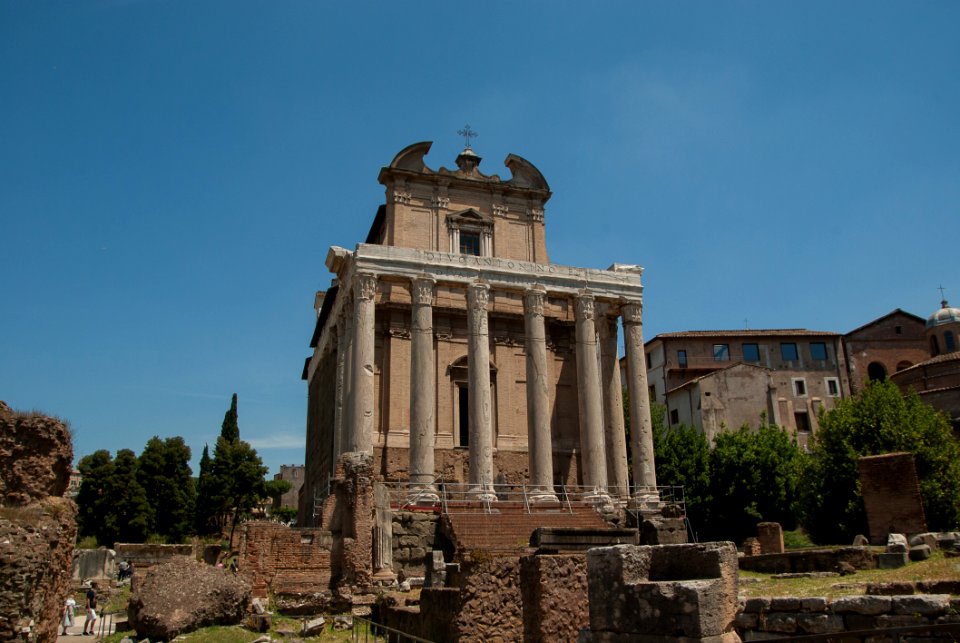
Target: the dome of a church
(945, 315)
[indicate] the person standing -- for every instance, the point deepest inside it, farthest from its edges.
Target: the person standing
(67, 620)
(91, 620)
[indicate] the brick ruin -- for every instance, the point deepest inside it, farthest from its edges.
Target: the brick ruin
(37, 524)
(891, 496)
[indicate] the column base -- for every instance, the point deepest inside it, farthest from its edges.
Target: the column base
(646, 502)
(384, 576)
(542, 498)
(598, 497)
(425, 496)
(482, 494)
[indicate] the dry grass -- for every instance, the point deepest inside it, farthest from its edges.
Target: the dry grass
(937, 567)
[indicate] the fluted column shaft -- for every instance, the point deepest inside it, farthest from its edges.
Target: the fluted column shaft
(614, 434)
(422, 386)
(478, 374)
(360, 432)
(641, 428)
(339, 393)
(539, 444)
(592, 457)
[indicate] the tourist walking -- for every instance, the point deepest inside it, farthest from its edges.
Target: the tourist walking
(67, 621)
(91, 610)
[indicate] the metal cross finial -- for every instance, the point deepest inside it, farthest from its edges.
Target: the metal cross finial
(943, 300)
(940, 288)
(467, 133)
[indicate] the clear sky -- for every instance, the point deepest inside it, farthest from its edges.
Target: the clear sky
(172, 174)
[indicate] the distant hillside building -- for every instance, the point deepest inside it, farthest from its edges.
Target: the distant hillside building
(716, 379)
(937, 379)
(450, 348)
(292, 473)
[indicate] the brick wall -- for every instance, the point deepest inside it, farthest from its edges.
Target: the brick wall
(891, 496)
(282, 560)
(554, 593)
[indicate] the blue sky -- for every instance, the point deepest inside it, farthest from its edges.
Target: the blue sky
(174, 172)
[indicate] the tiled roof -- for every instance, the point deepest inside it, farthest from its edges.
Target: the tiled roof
(748, 332)
(945, 357)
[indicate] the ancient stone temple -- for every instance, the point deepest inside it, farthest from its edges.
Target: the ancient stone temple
(452, 350)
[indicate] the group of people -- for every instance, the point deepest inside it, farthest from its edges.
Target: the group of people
(89, 625)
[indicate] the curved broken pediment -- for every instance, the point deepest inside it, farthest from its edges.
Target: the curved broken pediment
(411, 158)
(524, 174)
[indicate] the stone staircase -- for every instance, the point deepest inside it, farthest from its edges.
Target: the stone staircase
(507, 529)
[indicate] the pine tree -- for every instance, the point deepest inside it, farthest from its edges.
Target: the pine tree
(93, 497)
(230, 430)
(131, 511)
(164, 472)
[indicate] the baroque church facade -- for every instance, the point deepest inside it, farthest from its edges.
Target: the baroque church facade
(454, 352)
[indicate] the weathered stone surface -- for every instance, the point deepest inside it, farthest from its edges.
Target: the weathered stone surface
(860, 541)
(813, 604)
(866, 605)
(891, 560)
(183, 595)
(919, 552)
(897, 543)
(94, 564)
(891, 589)
(555, 601)
(784, 604)
(820, 623)
(782, 622)
(928, 538)
(770, 535)
(37, 525)
(36, 453)
(757, 604)
(670, 590)
(942, 586)
(925, 604)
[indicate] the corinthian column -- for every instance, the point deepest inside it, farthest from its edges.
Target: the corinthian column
(614, 435)
(539, 445)
(592, 457)
(422, 392)
(340, 390)
(360, 433)
(641, 429)
(478, 374)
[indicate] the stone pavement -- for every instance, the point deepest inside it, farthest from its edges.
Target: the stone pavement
(75, 633)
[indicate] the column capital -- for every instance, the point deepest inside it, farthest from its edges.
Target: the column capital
(421, 290)
(533, 300)
(632, 312)
(478, 296)
(585, 306)
(364, 285)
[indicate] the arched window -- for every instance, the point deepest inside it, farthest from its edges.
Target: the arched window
(876, 372)
(903, 365)
(949, 343)
(934, 346)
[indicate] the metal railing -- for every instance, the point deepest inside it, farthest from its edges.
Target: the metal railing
(366, 631)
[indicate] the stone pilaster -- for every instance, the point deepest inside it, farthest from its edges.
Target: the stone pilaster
(359, 436)
(614, 435)
(641, 429)
(422, 392)
(478, 374)
(539, 444)
(590, 399)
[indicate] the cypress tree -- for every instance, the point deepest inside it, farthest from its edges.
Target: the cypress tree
(230, 430)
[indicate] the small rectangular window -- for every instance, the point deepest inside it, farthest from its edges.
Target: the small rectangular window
(469, 243)
(751, 353)
(800, 387)
(818, 351)
(803, 421)
(721, 352)
(833, 386)
(948, 340)
(649, 361)
(682, 359)
(674, 417)
(898, 330)
(788, 351)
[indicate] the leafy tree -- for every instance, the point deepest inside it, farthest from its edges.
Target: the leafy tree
(164, 472)
(879, 421)
(276, 488)
(683, 459)
(131, 515)
(284, 514)
(93, 497)
(230, 430)
(753, 478)
(205, 508)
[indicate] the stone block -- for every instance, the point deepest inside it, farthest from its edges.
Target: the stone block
(890, 589)
(897, 543)
(813, 604)
(919, 552)
(668, 590)
(860, 541)
(820, 623)
(891, 560)
(926, 538)
(925, 604)
(782, 622)
(865, 605)
(784, 604)
(770, 535)
(757, 604)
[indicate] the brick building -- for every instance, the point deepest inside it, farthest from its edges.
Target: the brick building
(716, 379)
(292, 473)
(450, 348)
(884, 346)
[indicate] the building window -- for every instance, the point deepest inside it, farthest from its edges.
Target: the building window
(464, 413)
(469, 243)
(799, 387)
(788, 351)
(818, 351)
(833, 386)
(876, 372)
(751, 353)
(682, 359)
(934, 346)
(721, 352)
(649, 361)
(898, 330)
(674, 417)
(803, 421)
(949, 343)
